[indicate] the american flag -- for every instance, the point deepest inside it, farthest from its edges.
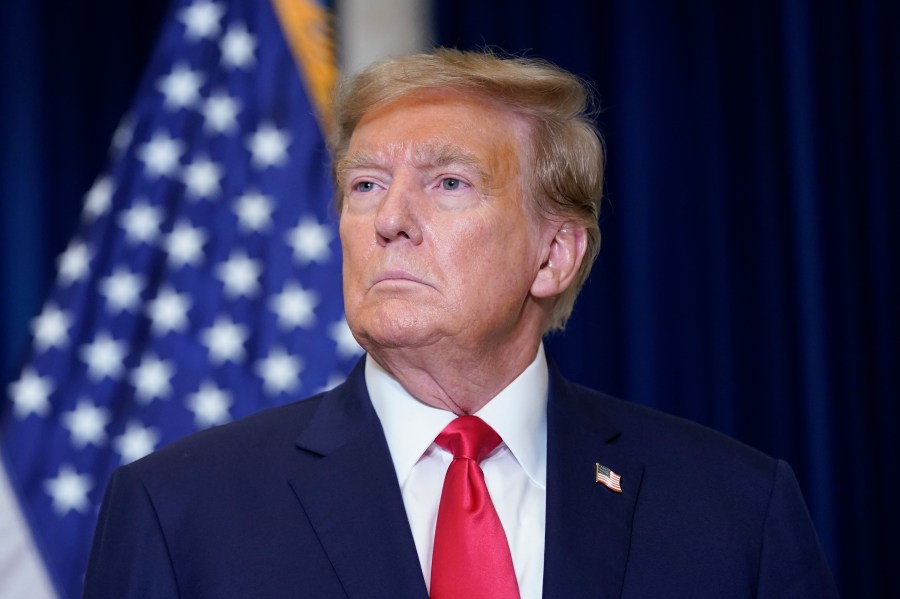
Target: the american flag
(607, 478)
(203, 283)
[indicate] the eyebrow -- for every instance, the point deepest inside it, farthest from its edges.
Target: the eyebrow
(428, 155)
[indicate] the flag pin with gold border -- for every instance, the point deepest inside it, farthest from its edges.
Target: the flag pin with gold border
(607, 478)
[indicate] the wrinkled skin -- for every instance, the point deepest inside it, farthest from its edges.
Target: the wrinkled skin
(449, 276)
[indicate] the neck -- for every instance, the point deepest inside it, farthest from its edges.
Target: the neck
(462, 381)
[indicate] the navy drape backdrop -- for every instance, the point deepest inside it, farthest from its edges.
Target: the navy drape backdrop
(750, 265)
(750, 268)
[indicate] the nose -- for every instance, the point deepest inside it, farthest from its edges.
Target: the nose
(398, 214)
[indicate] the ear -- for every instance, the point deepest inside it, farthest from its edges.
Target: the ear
(561, 259)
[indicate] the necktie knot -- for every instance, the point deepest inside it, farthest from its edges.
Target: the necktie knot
(468, 437)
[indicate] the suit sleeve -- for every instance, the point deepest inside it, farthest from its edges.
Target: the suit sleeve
(791, 562)
(129, 557)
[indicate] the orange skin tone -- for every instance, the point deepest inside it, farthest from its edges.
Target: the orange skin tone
(449, 277)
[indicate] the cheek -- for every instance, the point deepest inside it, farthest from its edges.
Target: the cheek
(484, 268)
(352, 232)
(353, 252)
(464, 250)
(511, 262)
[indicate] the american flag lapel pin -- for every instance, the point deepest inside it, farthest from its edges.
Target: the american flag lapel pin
(607, 478)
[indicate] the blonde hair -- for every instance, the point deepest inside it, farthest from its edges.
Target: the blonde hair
(567, 152)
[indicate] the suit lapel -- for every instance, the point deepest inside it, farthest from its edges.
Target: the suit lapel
(348, 488)
(588, 530)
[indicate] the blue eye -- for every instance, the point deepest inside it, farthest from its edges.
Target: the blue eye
(450, 184)
(364, 186)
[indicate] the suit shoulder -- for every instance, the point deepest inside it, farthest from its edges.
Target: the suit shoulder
(658, 437)
(249, 440)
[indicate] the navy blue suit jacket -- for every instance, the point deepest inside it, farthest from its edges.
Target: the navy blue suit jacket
(303, 501)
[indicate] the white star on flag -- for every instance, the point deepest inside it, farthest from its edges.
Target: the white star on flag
(254, 211)
(98, 198)
(161, 155)
(30, 394)
(268, 146)
(181, 87)
(51, 328)
(295, 306)
(238, 47)
(103, 357)
(122, 290)
(210, 405)
(280, 371)
(123, 136)
(168, 311)
(73, 263)
(201, 19)
(152, 379)
(141, 222)
(202, 178)
(86, 424)
(240, 274)
(69, 491)
(184, 245)
(220, 112)
(136, 442)
(225, 341)
(310, 241)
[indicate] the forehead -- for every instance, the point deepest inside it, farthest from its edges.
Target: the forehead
(438, 126)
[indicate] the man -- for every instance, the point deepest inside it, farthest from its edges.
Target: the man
(468, 190)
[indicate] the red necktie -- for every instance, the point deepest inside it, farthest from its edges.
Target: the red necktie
(471, 554)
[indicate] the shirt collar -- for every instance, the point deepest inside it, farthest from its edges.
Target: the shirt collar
(518, 413)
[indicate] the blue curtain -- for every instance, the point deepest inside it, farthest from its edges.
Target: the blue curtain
(750, 266)
(68, 71)
(749, 273)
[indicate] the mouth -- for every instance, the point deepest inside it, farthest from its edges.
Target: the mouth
(397, 277)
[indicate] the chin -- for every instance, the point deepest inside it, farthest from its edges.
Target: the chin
(393, 328)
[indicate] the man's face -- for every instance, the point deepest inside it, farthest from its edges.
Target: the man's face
(438, 241)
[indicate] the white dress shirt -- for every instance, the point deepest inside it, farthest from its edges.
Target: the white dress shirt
(515, 473)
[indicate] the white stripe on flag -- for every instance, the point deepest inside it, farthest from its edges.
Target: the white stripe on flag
(22, 573)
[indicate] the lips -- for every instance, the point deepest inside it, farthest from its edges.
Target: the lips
(397, 276)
